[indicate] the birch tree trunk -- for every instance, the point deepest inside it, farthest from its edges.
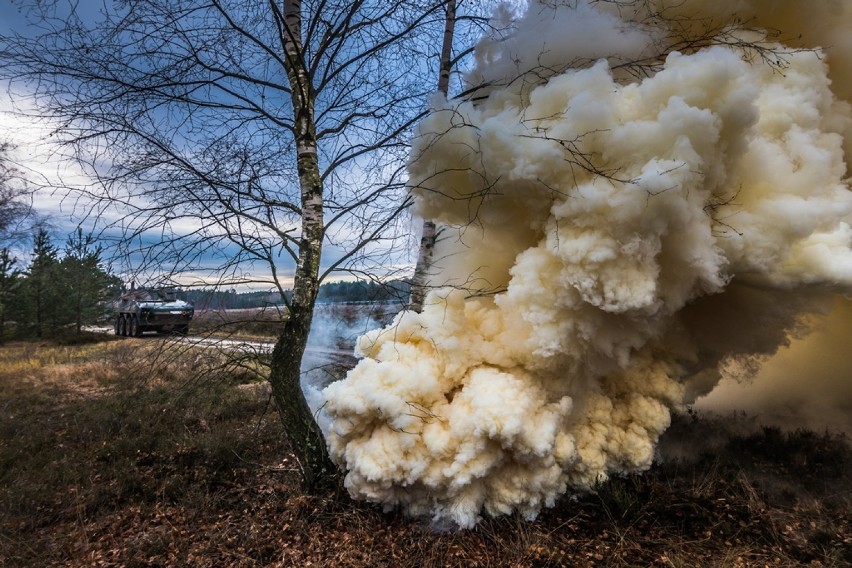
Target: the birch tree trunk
(202, 110)
(429, 233)
(303, 432)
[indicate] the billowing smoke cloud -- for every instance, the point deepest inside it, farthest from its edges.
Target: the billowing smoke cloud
(617, 236)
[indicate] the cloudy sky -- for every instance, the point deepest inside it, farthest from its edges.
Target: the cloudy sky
(19, 125)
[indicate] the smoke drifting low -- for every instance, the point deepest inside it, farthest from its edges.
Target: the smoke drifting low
(624, 224)
(805, 385)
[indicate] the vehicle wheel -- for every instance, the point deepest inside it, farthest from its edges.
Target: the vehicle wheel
(134, 330)
(117, 325)
(122, 326)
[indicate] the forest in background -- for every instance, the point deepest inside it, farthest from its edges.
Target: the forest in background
(330, 292)
(61, 290)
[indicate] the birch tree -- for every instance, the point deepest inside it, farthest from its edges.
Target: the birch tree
(263, 135)
(429, 231)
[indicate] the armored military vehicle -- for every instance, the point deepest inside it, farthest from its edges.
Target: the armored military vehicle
(151, 309)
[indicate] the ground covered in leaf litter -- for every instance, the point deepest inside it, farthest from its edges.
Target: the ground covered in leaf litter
(101, 465)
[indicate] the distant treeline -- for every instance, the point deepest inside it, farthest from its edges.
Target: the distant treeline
(358, 291)
(365, 291)
(205, 299)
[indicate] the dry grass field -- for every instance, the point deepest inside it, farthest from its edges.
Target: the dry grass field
(116, 452)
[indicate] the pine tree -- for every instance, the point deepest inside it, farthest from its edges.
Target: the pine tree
(42, 285)
(86, 284)
(9, 283)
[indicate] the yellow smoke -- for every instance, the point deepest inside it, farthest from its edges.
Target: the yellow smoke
(611, 246)
(808, 384)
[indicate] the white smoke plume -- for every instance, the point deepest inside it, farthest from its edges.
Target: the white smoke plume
(616, 238)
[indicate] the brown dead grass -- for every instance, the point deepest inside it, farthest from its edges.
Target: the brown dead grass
(122, 454)
(250, 324)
